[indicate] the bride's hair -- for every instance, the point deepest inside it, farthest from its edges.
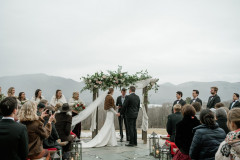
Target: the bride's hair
(110, 90)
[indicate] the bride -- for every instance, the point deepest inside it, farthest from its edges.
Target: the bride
(107, 134)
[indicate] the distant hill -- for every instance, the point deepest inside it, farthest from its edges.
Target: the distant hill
(49, 84)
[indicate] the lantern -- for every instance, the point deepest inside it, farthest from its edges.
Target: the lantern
(153, 140)
(76, 152)
(165, 153)
(157, 150)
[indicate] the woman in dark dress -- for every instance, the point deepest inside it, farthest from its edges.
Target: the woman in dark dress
(184, 134)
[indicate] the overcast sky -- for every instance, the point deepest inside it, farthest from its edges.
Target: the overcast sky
(176, 41)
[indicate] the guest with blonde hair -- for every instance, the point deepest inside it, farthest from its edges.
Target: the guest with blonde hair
(36, 129)
(72, 103)
(11, 92)
(229, 149)
(58, 98)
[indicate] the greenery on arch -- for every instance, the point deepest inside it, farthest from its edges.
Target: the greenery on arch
(115, 79)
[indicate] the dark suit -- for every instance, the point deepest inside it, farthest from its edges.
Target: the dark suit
(212, 101)
(13, 140)
(173, 119)
(236, 105)
(181, 102)
(122, 118)
(130, 109)
(197, 100)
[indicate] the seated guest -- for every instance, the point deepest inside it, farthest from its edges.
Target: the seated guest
(38, 96)
(36, 129)
(72, 102)
(40, 109)
(229, 149)
(184, 134)
(44, 101)
(13, 135)
(221, 116)
(173, 119)
(63, 126)
(235, 103)
(179, 100)
(53, 140)
(207, 137)
(58, 98)
(11, 92)
(197, 106)
(195, 94)
(226, 109)
(219, 105)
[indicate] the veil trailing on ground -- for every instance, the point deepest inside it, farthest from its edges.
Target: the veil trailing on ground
(91, 109)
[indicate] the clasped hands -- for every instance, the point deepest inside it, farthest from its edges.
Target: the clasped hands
(118, 114)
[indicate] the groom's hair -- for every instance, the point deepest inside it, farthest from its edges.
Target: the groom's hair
(132, 88)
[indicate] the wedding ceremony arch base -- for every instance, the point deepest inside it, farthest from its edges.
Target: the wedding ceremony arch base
(115, 79)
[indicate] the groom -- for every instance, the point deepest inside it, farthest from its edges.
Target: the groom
(119, 103)
(130, 109)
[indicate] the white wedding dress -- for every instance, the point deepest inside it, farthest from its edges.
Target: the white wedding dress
(107, 134)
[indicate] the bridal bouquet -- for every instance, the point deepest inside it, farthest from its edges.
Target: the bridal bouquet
(79, 107)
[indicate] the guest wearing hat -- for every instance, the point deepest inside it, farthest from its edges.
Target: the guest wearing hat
(63, 126)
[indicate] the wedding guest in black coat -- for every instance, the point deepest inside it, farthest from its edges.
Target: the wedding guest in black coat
(207, 137)
(214, 99)
(13, 135)
(173, 119)
(235, 103)
(184, 134)
(195, 94)
(119, 103)
(179, 100)
(130, 109)
(63, 126)
(221, 116)
(53, 140)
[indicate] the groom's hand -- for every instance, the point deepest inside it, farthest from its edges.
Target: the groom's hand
(118, 114)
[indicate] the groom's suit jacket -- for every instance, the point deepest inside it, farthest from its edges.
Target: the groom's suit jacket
(119, 103)
(131, 106)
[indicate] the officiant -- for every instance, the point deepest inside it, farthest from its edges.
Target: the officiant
(119, 103)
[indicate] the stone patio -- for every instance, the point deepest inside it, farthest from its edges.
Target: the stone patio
(120, 152)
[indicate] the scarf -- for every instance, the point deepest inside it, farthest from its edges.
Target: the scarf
(232, 146)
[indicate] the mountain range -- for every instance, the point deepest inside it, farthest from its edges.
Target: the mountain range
(166, 93)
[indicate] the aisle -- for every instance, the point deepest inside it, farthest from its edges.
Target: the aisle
(141, 152)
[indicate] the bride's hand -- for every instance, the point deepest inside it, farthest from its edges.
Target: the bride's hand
(118, 114)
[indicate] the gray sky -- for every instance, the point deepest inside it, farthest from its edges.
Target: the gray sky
(177, 41)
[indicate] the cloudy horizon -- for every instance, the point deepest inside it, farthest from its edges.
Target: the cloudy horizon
(176, 41)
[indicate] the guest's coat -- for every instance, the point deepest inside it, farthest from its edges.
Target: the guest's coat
(173, 119)
(13, 140)
(37, 132)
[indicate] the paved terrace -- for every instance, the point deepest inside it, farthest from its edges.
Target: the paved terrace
(121, 152)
